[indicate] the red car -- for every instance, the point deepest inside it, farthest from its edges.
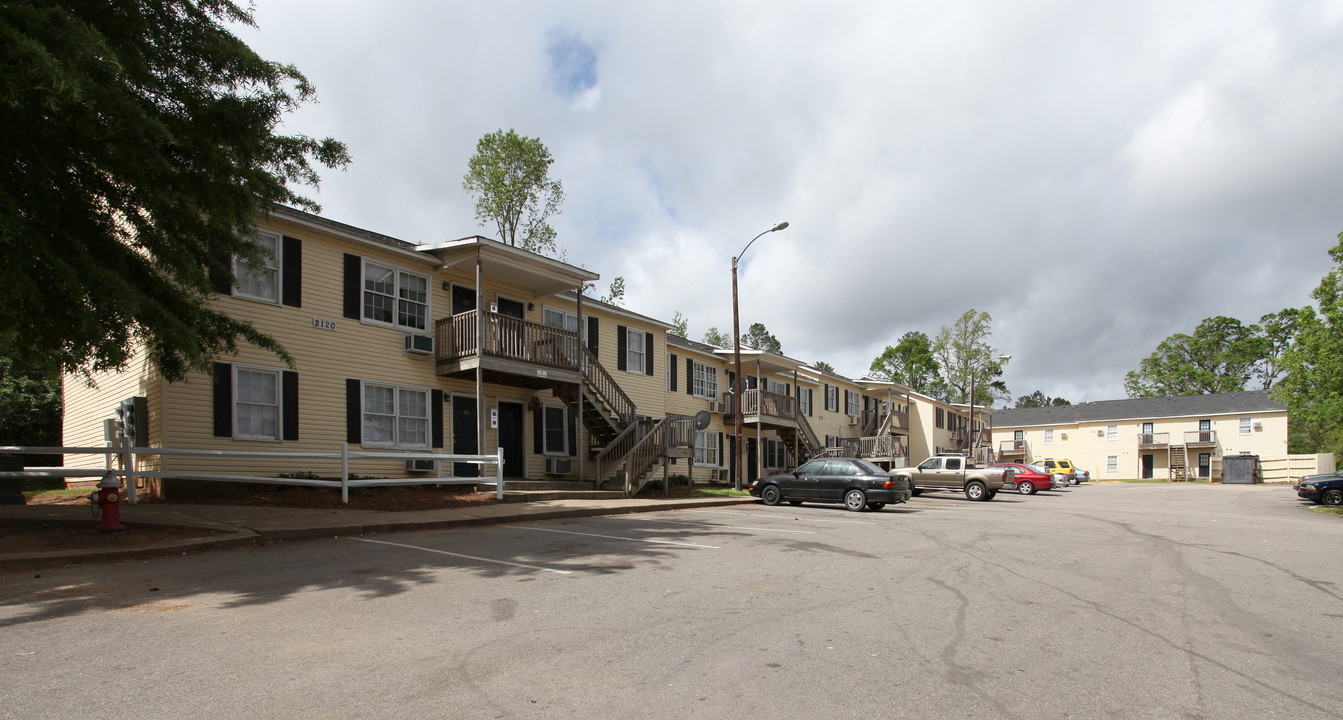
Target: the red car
(1028, 481)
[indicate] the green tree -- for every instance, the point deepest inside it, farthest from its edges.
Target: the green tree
(910, 363)
(615, 292)
(759, 338)
(1277, 331)
(966, 358)
(138, 149)
(30, 405)
(717, 338)
(1313, 387)
(680, 325)
(1221, 356)
(510, 178)
(1039, 399)
(823, 366)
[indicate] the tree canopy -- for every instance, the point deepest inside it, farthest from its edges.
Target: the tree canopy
(759, 338)
(680, 325)
(1221, 356)
(823, 366)
(1039, 399)
(966, 358)
(1313, 386)
(138, 148)
(717, 338)
(911, 363)
(510, 178)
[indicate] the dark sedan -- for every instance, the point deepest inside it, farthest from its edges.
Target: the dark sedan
(1322, 489)
(856, 483)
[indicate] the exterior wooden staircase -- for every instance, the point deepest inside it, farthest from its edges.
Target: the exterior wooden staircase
(629, 461)
(1179, 468)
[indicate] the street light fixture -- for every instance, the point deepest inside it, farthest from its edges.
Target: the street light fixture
(739, 405)
(970, 423)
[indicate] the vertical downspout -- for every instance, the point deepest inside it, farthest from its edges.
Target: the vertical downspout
(480, 354)
(582, 358)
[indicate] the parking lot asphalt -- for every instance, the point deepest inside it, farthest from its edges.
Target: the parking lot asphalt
(1105, 601)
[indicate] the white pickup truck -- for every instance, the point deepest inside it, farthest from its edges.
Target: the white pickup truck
(953, 472)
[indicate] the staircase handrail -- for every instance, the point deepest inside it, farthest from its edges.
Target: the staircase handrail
(813, 443)
(610, 456)
(644, 455)
(606, 388)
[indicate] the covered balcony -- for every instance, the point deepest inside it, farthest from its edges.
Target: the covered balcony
(1201, 438)
(515, 352)
(1154, 441)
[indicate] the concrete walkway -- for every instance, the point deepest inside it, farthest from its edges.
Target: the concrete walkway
(223, 525)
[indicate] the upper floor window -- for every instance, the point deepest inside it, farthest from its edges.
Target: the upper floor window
(851, 403)
(260, 280)
(395, 297)
(1111, 432)
(634, 351)
(1246, 426)
(804, 400)
(562, 319)
(939, 417)
(704, 380)
(832, 398)
(778, 387)
(1049, 436)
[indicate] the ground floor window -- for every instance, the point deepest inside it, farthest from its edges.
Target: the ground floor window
(555, 430)
(706, 449)
(1111, 463)
(256, 403)
(396, 415)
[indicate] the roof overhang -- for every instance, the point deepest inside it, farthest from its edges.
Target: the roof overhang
(511, 265)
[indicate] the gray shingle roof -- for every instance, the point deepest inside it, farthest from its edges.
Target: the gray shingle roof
(1250, 401)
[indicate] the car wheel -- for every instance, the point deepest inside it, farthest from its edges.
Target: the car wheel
(855, 500)
(771, 495)
(915, 492)
(1072, 481)
(976, 491)
(794, 502)
(993, 494)
(1026, 488)
(1332, 497)
(875, 506)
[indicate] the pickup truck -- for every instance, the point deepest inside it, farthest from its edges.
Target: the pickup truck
(953, 472)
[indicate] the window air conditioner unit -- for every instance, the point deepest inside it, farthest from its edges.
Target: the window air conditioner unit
(1258, 426)
(853, 420)
(420, 344)
(559, 466)
(421, 466)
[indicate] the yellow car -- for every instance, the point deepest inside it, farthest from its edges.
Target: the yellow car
(1061, 467)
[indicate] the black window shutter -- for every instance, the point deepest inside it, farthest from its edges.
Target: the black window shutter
(291, 271)
(354, 421)
(811, 404)
(289, 381)
(620, 347)
(223, 400)
(689, 376)
(354, 270)
(720, 449)
(436, 417)
(573, 434)
(219, 276)
(787, 389)
(592, 334)
(648, 353)
(538, 430)
(671, 374)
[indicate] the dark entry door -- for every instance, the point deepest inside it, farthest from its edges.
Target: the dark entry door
(1205, 431)
(511, 332)
(1147, 465)
(751, 473)
(511, 439)
(463, 299)
(1204, 465)
(464, 435)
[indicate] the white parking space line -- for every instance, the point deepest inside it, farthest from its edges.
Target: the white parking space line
(708, 526)
(468, 557)
(616, 537)
(762, 514)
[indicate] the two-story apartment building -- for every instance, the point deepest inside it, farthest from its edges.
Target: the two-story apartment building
(464, 347)
(1160, 437)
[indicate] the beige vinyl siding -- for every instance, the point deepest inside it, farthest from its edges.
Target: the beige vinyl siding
(87, 406)
(680, 402)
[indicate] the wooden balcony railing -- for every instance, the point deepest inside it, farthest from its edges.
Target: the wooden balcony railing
(1200, 437)
(1152, 440)
(1011, 447)
(769, 404)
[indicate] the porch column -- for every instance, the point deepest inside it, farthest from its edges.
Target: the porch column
(480, 355)
(582, 384)
(759, 421)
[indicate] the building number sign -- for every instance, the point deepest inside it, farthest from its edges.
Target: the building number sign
(323, 324)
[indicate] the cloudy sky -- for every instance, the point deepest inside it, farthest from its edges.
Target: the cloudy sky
(1096, 176)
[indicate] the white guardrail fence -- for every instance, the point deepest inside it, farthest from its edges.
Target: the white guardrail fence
(127, 454)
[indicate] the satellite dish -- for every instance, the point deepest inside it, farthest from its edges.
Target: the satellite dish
(702, 419)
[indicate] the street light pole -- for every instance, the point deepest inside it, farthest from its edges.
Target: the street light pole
(737, 401)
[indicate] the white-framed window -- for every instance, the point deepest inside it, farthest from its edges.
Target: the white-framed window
(555, 430)
(260, 282)
(394, 297)
(1111, 463)
(832, 441)
(1049, 436)
(706, 448)
(851, 407)
(634, 351)
(256, 403)
(1112, 432)
(939, 418)
(1246, 425)
(832, 398)
(559, 318)
(776, 453)
(396, 415)
(778, 387)
(703, 380)
(804, 400)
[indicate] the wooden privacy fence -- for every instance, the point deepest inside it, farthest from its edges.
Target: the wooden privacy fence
(1293, 467)
(123, 451)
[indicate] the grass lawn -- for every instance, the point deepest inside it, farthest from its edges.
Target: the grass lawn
(1335, 511)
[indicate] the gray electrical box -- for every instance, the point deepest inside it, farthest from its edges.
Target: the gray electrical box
(1241, 469)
